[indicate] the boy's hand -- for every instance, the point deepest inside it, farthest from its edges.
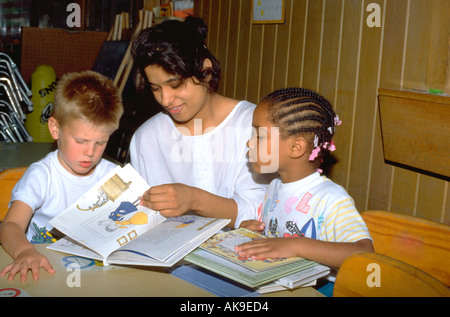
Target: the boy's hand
(28, 259)
(253, 225)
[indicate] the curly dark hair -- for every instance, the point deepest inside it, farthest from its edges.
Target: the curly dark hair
(179, 48)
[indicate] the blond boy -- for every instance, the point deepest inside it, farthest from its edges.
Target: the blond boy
(87, 111)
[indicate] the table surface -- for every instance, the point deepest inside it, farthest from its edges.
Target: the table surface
(94, 280)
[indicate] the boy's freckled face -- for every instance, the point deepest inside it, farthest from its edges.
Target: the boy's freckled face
(80, 146)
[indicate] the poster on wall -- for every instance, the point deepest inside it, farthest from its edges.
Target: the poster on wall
(268, 11)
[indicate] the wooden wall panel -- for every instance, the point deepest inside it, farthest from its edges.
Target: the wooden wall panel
(431, 193)
(311, 59)
(242, 63)
(326, 45)
(365, 113)
(345, 102)
(417, 45)
(268, 58)
(439, 35)
(405, 182)
(330, 43)
(446, 205)
(391, 73)
(255, 62)
(216, 30)
(281, 52)
(223, 50)
(229, 74)
(297, 23)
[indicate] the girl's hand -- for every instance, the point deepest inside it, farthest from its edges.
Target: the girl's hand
(28, 259)
(269, 248)
(171, 200)
(253, 225)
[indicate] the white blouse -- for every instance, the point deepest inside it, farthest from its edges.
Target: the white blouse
(215, 161)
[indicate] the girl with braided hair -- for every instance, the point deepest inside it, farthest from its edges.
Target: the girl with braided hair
(306, 213)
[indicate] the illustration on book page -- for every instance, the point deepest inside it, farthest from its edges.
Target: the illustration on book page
(109, 211)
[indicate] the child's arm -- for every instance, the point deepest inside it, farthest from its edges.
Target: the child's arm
(176, 199)
(253, 225)
(15, 243)
(328, 253)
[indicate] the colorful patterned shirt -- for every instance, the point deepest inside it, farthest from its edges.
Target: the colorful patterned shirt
(313, 207)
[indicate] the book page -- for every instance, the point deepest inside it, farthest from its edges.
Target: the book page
(67, 245)
(173, 234)
(109, 216)
(223, 245)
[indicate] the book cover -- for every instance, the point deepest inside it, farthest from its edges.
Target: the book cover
(218, 255)
(223, 244)
(239, 273)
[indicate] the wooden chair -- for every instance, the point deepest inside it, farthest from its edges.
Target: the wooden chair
(8, 178)
(372, 274)
(421, 243)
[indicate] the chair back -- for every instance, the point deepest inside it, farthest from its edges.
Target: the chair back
(421, 243)
(370, 274)
(8, 179)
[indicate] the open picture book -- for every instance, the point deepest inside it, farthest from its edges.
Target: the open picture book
(219, 256)
(108, 224)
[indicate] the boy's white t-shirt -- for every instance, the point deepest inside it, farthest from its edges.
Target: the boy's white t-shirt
(215, 161)
(48, 188)
(314, 207)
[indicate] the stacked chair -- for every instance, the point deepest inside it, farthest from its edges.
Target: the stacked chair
(14, 102)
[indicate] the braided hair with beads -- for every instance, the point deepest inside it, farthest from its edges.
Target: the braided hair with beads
(300, 111)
